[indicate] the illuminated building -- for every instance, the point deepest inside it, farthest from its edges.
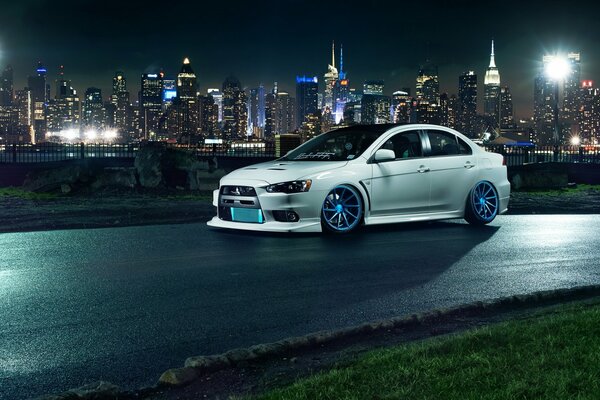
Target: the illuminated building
(375, 109)
(401, 105)
(506, 109)
(187, 85)
(428, 113)
(151, 104)
(24, 116)
(491, 96)
(209, 115)
(120, 101)
(572, 89)
(40, 97)
(373, 87)
(307, 90)
(280, 113)
(428, 84)
(218, 96)
(329, 79)
(235, 110)
(169, 93)
(63, 112)
(588, 116)
(467, 104)
(6, 87)
(311, 126)
(93, 113)
(256, 109)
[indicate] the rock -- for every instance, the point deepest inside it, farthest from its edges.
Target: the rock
(178, 376)
(100, 390)
(207, 362)
(52, 179)
(64, 188)
(116, 177)
(148, 164)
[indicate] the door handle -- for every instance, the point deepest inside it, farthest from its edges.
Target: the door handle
(423, 168)
(469, 165)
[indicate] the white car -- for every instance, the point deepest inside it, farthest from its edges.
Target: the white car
(375, 174)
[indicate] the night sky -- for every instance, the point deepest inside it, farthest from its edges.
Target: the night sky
(266, 41)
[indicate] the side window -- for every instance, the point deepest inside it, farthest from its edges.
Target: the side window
(405, 145)
(447, 144)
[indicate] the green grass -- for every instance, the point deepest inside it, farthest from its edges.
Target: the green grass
(23, 194)
(580, 188)
(555, 356)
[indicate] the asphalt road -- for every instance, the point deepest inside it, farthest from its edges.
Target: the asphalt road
(125, 304)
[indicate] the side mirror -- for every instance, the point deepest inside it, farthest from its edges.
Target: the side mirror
(384, 155)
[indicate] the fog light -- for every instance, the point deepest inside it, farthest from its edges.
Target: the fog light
(285, 216)
(292, 216)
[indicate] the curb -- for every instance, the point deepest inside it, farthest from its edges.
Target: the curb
(195, 367)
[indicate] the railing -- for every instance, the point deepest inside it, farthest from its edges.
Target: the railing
(47, 152)
(517, 155)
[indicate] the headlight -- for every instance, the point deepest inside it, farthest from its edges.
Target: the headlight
(290, 187)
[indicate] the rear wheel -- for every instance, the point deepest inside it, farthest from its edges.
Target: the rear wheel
(482, 204)
(342, 210)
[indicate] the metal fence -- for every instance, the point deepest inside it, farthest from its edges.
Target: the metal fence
(47, 152)
(517, 155)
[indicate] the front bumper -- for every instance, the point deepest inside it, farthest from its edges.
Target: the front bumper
(306, 205)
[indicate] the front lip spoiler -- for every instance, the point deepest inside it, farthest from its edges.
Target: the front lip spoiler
(302, 226)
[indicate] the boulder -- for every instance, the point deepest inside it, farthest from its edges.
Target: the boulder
(148, 164)
(53, 179)
(115, 177)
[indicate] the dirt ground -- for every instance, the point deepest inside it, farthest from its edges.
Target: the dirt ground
(114, 209)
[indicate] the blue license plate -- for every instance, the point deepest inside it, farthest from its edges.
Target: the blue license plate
(252, 215)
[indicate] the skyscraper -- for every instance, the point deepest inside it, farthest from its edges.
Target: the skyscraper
(120, 101)
(428, 84)
(467, 103)
(256, 109)
(506, 108)
(63, 112)
(235, 110)
(401, 105)
(329, 79)
(93, 109)
(217, 95)
(39, 97)
(187, 85)
(373, 87)
(589, 113)
(6, 87)
(151, 104)
(572, 89)
(307, 90)
(375, 109)
(491, 96)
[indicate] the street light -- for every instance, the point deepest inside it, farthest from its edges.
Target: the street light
(557, 69)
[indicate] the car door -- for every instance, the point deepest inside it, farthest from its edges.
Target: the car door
(453, 170)
(401, 186)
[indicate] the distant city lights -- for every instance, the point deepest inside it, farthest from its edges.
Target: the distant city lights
(75, 135)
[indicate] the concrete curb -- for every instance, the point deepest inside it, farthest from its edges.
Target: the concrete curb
(195, 367)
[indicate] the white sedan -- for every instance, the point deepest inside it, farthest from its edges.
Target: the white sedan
(376, 174)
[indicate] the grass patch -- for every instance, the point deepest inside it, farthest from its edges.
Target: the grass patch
(555, 356)
(580, 188)
(23, 194)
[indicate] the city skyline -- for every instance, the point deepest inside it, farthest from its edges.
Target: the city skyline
(374, 46)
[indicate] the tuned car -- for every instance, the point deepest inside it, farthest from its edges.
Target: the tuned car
(366, 175)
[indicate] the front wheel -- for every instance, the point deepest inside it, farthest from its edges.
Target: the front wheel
(482, 204)
(342, 210)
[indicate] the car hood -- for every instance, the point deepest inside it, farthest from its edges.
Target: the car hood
(282, 171)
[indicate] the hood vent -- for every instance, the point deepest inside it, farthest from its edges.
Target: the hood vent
(276, 169)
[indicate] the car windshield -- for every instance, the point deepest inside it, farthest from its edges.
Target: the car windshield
(339, 145)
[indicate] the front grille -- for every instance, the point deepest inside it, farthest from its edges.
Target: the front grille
(238, 191)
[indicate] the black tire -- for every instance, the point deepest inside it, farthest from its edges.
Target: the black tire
(482, 204)
(342, 210)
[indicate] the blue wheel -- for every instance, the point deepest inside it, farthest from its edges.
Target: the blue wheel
(482, 205)
(342, 209)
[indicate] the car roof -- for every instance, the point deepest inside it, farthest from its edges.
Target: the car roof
(378, 128)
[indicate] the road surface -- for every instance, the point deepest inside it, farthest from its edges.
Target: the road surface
(125, 304)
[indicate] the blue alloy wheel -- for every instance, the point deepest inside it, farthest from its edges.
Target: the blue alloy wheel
(342, 209)
(483, 204)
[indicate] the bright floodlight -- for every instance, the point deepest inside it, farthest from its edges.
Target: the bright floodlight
(91, 134)
(558, 68)
(110, 134)
(575, 141)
